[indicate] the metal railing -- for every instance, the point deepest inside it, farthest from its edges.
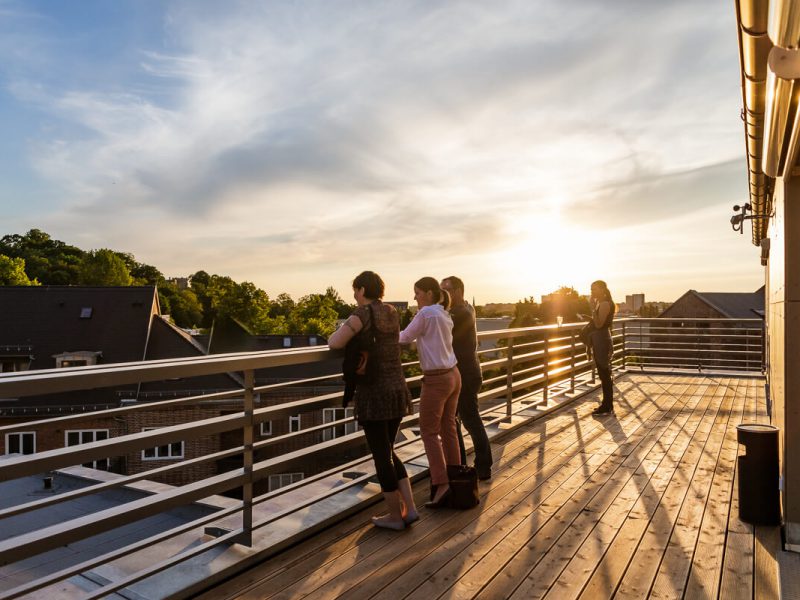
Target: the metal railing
(524, 363)
(697, 344)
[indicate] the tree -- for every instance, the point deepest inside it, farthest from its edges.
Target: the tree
(50, 261)
(342, 308)
(186, 310)
(282, 306)
(527, 313)
(314, 313)
(243, 302)
(564, 302)
(104, 268)
(12, 272)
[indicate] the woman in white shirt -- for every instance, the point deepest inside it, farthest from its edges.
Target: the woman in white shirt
(432, 328)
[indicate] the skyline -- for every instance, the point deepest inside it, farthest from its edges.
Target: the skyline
(296, 145)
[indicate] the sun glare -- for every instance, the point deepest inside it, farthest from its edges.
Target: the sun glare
(547, 252)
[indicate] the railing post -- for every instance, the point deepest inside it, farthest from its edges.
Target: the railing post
(546, 391)
(572, 361)
(247, 454)
(623, 345)
(509, 375)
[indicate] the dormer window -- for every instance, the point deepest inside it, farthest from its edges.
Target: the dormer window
(86, 312)
(79, 358)
(15, 358)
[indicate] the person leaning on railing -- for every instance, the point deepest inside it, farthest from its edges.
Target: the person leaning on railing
(432, 328)
(465, 346)
(381, 404)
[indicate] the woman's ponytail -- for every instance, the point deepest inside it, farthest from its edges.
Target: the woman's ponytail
(429, 284)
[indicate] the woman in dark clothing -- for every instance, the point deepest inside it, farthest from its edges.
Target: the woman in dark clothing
(381, 405)
(602, 348)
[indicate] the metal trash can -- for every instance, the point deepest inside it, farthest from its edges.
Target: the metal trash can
(759, 481)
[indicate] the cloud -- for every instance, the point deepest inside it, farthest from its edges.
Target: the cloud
(302, 135)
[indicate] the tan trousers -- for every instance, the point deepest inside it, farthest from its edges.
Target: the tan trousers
(438, 403)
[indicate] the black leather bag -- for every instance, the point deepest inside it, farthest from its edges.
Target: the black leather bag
(463, 486)
(360, 364)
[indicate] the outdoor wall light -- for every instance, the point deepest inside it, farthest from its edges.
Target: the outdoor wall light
(737, 220)
(783, 23)
(783, 69)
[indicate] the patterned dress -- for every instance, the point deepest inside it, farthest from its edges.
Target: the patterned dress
(388, 397)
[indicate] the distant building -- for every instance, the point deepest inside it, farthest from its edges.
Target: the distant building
(47, 327)
(181, 283)
(724, 305)
(634, 302)
(400, 306)
(53, 327)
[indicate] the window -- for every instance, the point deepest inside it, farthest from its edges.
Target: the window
(329, 415)
(21, 442)
(79, 358)
(287, 342)
(86, 312)
(72, 363)
(76, 437)
(283, 479)
(294, 423)
(11, 364)
(266, 428)
(167, 451)
(312, 340)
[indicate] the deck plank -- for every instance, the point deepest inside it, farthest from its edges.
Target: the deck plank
(582, 566)
(644, 505)
(705, 573)
(500, 579)
(644, 566)
(377, 565)
(358, 562)
(670, 582)
(544, 575)
(606, 577)
(737, 567)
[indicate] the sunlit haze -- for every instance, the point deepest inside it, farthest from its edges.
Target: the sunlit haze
(519, 145)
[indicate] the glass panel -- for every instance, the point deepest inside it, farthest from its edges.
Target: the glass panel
(13, 443)
(27, 443)
(150, 453)
(73, 438)
(101, 435)
(177, 449)
(87, 437)
(163, 451)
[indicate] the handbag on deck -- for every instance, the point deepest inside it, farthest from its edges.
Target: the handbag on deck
(463, 486)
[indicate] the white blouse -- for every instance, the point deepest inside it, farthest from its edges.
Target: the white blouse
(432, 328)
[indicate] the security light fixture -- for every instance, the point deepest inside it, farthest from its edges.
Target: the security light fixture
(737, 220)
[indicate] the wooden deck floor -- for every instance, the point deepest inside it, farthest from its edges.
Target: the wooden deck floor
(639, 505)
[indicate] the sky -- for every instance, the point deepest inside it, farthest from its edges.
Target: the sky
(519, 145)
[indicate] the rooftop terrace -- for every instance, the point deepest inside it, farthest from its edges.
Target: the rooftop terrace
(641, 504)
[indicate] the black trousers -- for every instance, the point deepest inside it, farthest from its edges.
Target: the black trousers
(380, 439)
(470, 416)
(602, 351)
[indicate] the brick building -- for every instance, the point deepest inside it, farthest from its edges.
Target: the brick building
(47, 327)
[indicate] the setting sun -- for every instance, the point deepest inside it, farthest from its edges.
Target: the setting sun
(548, 252)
